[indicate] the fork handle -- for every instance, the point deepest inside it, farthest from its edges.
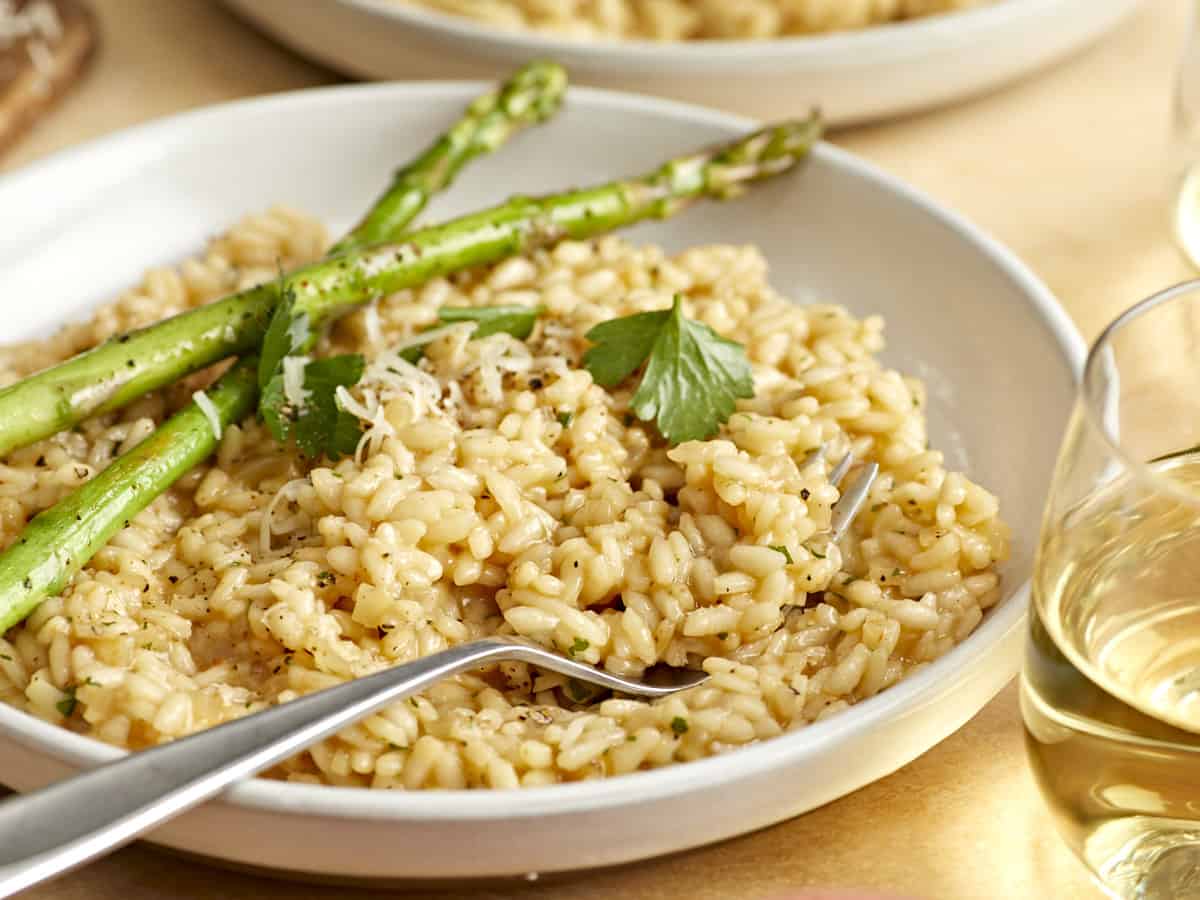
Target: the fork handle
(50, 831)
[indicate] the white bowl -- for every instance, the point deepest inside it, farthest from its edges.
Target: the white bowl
(999, 356)
(852, 76)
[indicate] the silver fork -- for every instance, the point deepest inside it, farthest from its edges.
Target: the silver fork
(51, 831)
(853, 497)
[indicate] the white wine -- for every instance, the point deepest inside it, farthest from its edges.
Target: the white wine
(1111, 685)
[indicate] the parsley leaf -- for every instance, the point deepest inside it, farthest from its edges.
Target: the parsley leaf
(679, 725)
(784, 550)
(622, 345)
(693, 376)
(322, 426)
(319, 425)
(287, 332)
(66, 706)
(512, 319)
(579, 645)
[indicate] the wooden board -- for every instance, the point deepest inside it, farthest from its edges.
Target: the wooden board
(39, 67)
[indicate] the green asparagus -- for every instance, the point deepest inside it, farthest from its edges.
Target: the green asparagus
(58, 541)
(54, 544)
(117, 372)
(532, 95)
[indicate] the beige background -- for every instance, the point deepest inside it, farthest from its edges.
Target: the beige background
(1071, 169)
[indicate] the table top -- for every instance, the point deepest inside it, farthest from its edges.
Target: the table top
(1071, 168)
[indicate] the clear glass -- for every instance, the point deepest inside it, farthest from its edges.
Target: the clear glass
(1110, 691)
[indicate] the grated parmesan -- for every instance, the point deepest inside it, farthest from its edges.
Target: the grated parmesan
(266, 524)
(372, 323)
(421, 338)
(294, 391)
(210, 412)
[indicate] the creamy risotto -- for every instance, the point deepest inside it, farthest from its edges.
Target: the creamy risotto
(497, 489)
(678, 20)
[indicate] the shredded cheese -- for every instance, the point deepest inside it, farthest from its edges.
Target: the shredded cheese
(293, 382)
(210, 412)
(266, 524)
(421, 338)
(371, 323)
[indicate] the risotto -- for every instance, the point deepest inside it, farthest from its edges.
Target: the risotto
(679, 20)
(497, 489)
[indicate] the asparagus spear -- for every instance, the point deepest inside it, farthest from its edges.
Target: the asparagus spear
(119, 371)
(532, 95)
(60, 540)
(55, 544)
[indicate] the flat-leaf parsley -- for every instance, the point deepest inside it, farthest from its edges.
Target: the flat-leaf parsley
(314, 419)
(692, 377)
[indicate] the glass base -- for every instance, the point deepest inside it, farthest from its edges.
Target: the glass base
(1146, 858)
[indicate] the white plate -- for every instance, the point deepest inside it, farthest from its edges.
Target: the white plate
(853, 76)
(997, 351)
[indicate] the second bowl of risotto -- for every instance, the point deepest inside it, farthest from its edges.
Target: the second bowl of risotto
(502, 486)
(856, 59)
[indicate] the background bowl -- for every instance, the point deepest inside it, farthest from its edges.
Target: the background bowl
(963, 313)
(853, 76)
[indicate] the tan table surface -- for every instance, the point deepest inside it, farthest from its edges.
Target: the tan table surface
(1071, 169)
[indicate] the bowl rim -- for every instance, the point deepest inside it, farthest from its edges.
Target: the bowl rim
(920, 689)
(892, 41)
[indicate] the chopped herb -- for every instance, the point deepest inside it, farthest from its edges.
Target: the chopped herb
(630, 738)
(321, 426)
(721, 635)
(577, 691)
(816, 553)
(411, 354)
(692, 376)
(66, 706)
(679, 725)
(5, 656)
(565, 417)
(784, 550)
(877, 507)
(325, 579)
(512, 319)
(577, 647)
(897, 572)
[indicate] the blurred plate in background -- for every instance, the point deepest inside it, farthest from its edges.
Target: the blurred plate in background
(853, 76)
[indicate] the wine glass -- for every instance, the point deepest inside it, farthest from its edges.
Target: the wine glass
(1110, 692)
